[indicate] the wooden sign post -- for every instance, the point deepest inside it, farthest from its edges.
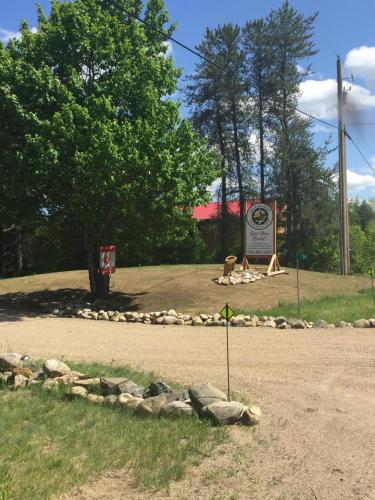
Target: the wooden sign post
(260, 235)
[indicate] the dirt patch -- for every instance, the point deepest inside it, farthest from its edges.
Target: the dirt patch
(316, 389)
(185, 288)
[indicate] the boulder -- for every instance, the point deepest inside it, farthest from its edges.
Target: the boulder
(280, 320)
(55, 368)
(87, 382)
(169, 320)
(340, 324)
(361, 323)
(197, 321)
(151, 406)
(171, 312)
(251, 416)
(95, 398)
(238, 322)
(10, 360)
(77, 391)
(205, 394)
(269, 323)
(20, 381)
(320, 323)
(157, 388)
(132, 388)
(297, 324)
(124, 398)
(176, 409)
(132, 403)
(110, 385)
(283, 326)
(224, 412)
(26, 372)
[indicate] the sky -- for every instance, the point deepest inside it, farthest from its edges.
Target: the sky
(343, 27)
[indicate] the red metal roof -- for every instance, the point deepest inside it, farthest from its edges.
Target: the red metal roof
(213, 210)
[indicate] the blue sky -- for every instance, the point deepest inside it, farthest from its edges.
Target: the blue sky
(343, 27)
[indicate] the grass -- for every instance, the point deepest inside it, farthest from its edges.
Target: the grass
(185, 288)
(49, 444)
(330, 308)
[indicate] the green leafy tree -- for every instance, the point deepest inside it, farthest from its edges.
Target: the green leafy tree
(107, 146)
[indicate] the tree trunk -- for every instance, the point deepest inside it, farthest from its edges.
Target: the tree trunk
(99, 283)
(19, 252)
(239, 177)
(224, 207)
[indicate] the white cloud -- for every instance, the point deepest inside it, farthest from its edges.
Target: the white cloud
(361, 62)
(169, 46)
(6, 35)
(359, 182)
(319, 98)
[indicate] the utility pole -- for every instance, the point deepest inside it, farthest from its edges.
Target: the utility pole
(343, 188)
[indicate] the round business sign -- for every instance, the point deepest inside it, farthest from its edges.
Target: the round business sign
(259, 216)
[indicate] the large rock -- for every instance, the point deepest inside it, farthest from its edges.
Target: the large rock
(77, 391)
(10, 360)
(151, 406)
(176, 409)
(224, 412)
(205, 394)
(132, 403)
(95, 398)
(251, 416)
(361, 323)
(111, 385)
(55, 368)
(297, 324)
(20, 381)
(170, 320)
(88, 382)
(50, 385)
(157, 388)
(132, 388)
(320, 323)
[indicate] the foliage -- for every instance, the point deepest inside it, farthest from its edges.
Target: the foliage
(106, 146)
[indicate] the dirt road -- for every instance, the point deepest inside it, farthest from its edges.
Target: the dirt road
(316, 389)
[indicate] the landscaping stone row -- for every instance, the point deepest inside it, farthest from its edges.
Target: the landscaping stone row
(158, 399)
(171, 317)
(239, 278)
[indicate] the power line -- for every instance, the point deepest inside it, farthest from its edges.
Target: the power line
(204, 58)
(360, 152)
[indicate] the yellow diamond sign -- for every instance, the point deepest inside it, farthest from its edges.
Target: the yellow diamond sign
(227, 312)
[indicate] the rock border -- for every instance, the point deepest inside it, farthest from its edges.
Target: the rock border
(171, 317)
(158, 399)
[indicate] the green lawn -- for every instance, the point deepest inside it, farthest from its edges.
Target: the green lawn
(49, 444)
(332, 308)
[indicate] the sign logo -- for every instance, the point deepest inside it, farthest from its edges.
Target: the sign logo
(227, 312)
(259, 216)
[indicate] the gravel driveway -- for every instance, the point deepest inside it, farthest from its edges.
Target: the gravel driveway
(316, 389)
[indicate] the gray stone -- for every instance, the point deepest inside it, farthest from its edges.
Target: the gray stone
(283, 326)
(10, 360)
(151, 406)
(340, 324)
(197, 321)
(320, 323)
(110, 385)
(269, 324)
(132, 403)
(251, 416)
(237, 322)
(297, 324)
(205, 394)
(361, 323)
(172, 312)
(280, 320)
(157, 388)
(170, 320)
(224, 412)
(132, 388)
(55, 368)
(176, 409)
(372, 323)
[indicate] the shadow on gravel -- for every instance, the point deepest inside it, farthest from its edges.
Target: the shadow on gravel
(15, 306)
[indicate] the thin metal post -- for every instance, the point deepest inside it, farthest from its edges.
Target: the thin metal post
(298, 301)
(227, 328)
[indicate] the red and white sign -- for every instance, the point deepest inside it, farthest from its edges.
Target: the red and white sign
(107, 261)
(260, 229)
